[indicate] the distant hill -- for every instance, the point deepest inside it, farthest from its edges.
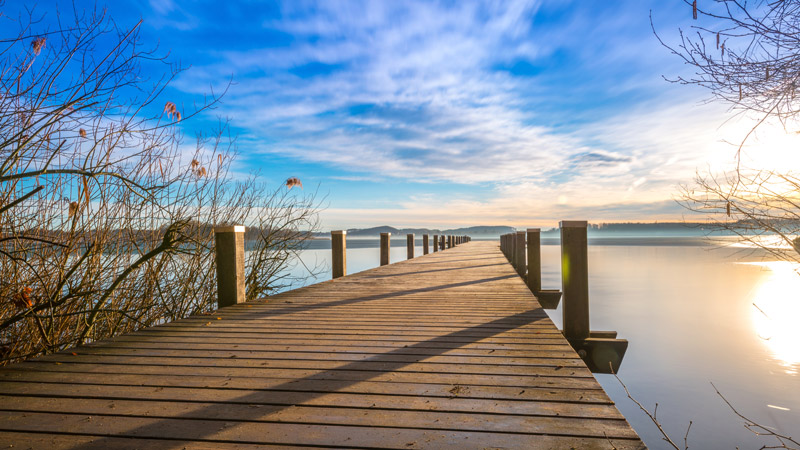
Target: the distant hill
(374, 232)
(647, 229)
(482, 230)
(493, 231)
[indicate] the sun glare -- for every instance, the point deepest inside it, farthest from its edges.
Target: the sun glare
(776, 311)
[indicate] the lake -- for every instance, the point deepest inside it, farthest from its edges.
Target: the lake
(693, 314)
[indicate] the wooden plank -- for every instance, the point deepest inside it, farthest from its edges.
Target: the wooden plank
(521, 381)
(373, 386)
(447, 350)
(441, 415)
(454, 403)
(52, 441)
(223, 431)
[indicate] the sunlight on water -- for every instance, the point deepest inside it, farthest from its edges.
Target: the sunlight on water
(766, 241)
(776, 312)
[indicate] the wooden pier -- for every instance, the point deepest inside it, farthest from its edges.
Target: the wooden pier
(446, 350)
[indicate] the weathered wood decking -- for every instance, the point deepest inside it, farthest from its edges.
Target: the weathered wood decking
(449, 350)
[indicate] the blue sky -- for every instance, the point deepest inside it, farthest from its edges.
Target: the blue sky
(449, 113)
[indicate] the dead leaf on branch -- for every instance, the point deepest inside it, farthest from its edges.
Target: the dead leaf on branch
(82, 132)
(293, 181)
(86, 189)
(38, 44)
(23, 298)
(171, 111)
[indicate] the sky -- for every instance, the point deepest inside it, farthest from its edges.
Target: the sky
(452, 113)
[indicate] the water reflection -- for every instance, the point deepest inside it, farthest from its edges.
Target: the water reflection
(776, 313)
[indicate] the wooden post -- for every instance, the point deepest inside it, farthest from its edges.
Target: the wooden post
(339, 253)
(385, 248)
(424, 244)
(519, 256)
(512, 249)
(435, 242)
(534, 279)
(229, 243)
(410, 245)
(449, 241)
(575, 278)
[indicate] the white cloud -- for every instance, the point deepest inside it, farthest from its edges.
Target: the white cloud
(411, 91)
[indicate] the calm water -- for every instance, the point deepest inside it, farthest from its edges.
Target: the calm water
(693, 314)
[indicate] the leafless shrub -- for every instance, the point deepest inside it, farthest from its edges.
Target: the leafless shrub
(105, 225)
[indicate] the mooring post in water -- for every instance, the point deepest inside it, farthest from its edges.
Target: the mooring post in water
(385, 248)
(229, 246)
(600, 350)
(575, 278)
(339, 253)
(519, 256)
(435, 243)
(410, 245)
(424, 244)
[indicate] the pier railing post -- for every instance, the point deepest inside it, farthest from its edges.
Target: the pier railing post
(435, 242)
(339, 253)
(385, 248)
(424, 244)
(512, 245)
(410, 245)
(534, 279)
(229, 246)
(575, 278)
(519, 256)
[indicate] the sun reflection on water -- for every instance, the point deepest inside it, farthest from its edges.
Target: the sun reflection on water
(776, 313)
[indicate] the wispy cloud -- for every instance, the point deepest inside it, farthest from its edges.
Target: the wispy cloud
(558, 102)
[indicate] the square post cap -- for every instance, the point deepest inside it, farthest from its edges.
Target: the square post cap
(573, 224)
(230, 229)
